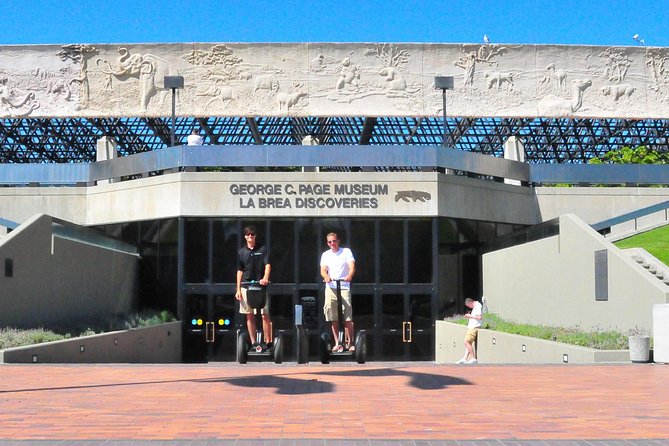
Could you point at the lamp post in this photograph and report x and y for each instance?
(173, 82)
(443, 83)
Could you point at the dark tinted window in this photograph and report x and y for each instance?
(308, 257)
(226, 246)
(391, 248)
(363, 245)
(196, 249)
(420, 251)
(282, 251)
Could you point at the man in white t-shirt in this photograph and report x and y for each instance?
(338, 264)
(194, 139)
(475, 316)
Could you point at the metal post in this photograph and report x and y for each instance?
(443, 100)
(444, 83)
(173, 82)
(174, 111)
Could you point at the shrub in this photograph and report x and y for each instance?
(12, 337)
(599, 339)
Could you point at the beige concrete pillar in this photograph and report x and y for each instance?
(310, 141)
(107, 149)
(514, 149)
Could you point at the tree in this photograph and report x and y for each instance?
(629, 155)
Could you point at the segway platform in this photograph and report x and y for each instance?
(326, 342)
(256, 296)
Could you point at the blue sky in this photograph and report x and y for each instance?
(586, 22)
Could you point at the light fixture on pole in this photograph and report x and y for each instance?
(443, 83)
(173, 82)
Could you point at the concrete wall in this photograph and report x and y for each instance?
(158, 344)
(209, 193)
(461, 197)
(552, 282)
(495, 347)
(214, 193)
(595, 204)
(21, 203)
(57, 280)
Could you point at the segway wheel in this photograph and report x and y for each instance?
(324, 347)
(361, 347)
(277, 349)
(242, 347)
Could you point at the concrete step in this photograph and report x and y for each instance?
(659, 272)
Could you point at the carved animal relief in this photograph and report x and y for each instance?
(327, 79)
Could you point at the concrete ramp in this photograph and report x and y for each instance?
(56, 273)
(574, 278)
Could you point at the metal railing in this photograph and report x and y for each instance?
(248, 156)
(337, 158)
(600, 174)
(605, 225)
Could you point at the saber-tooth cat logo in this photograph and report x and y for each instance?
(412, 196)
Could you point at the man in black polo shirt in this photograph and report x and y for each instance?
(253, 265)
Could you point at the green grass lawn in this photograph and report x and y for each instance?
(655, 242)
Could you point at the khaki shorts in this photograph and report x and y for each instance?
(244, 305)
(330, 305)
(471, 335)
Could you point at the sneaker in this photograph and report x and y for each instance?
(472, 361)
(462, 361)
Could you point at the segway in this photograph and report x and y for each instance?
(256, 296)
(326, 344)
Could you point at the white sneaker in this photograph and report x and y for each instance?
(462, 361)
(472, 361)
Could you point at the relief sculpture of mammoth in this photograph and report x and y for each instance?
(150, 70)
(152, 80)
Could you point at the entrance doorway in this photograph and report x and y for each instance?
(210, 328)
(400, 287)
(406, 327)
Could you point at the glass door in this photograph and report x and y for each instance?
(210, 328)
(407, 330)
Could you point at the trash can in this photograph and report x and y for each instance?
(639, 348)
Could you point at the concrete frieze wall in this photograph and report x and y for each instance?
(333, 79)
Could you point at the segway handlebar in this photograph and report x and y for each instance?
(335, 280)
(252, 282)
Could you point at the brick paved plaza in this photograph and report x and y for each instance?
(376, 403)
